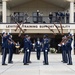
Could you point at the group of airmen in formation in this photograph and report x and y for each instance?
(65, 45)
(7, 45)
(66, 48)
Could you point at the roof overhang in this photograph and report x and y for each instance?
(60, 3)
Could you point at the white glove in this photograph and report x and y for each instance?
(21, 25)
(8, 33)
(59, 45)
(45, 50)
(62, 43)
(28, 50)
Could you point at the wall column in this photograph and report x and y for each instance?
(71, 20)
(4, 11)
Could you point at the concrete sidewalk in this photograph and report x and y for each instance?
(55, 67)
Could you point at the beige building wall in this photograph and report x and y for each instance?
(34, 5)
(37, 28)
(8, 10)
(33, 31)
(0, 7)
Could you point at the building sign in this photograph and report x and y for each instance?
(37, 26)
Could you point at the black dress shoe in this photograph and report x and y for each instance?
(10, 62)
(26, 64)
(61, 61)
(29, 62)
(38, 59)
(4, 64)
(46, 64)
(69, 64)
(64, 62)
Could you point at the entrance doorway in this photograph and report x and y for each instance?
(54, 39)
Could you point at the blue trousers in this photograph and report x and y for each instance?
(38, 54)
(29, 53)
(25, 59)
(64, 56)
(69, 57)
(4, 55)
(10, 55)
(45, 57)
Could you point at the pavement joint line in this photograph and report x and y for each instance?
(8, 68)
(70, 68)
(54, 61)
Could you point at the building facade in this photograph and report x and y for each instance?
(25, 10)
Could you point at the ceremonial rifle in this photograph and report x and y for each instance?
(57, 28)
(50, 29)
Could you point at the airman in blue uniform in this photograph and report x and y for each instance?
(64, 53)
(69, 48)
(10, 49)
(45, 49)
(38, 48)
(26, 50)
(30, 48)
(5, 47)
